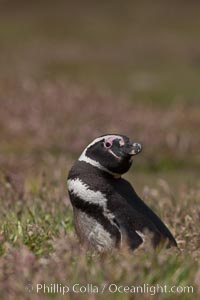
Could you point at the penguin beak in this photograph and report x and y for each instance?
(135, 149)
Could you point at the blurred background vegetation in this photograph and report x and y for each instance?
(141, 57)
(70, 71)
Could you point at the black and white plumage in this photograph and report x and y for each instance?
(107, 211)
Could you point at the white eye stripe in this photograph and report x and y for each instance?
(111, 138)
(95, 163)
(101, 138)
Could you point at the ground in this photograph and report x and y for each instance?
(69, 73)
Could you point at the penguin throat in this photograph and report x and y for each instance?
(96, 164)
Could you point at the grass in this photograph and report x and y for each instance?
(68, 75)
(38, 244)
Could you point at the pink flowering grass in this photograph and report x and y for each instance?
(70, 72)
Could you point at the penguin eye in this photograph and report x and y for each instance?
(107, 144)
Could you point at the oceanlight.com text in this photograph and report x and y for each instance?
(112, 288)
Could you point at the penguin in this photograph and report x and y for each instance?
(107, 211)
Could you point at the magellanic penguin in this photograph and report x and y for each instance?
(107, 211)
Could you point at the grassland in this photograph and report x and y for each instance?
(70, 72)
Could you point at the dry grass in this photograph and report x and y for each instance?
(47, 129)
(64, 82)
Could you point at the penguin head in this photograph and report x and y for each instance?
(111, 152)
